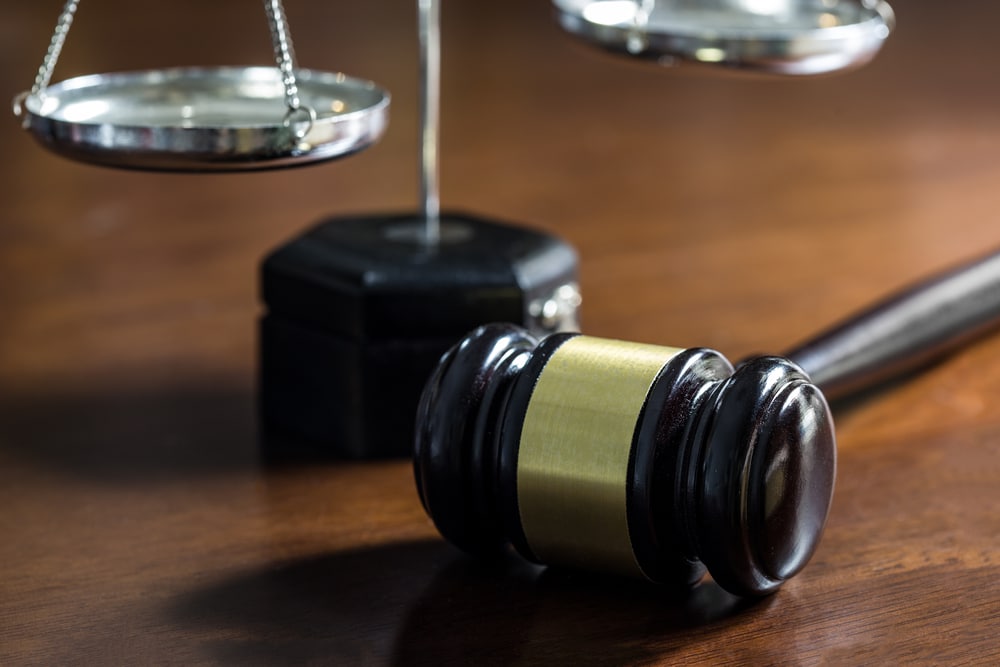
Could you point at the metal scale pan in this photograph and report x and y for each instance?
(793, 37)
(204, 119)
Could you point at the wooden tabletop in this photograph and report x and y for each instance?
(137, 524)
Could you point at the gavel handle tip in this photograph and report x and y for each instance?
(906, 330)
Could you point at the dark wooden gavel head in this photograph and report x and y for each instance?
(626, 458)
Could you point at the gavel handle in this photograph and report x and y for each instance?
(905, 330)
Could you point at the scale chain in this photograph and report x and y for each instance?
(284, 56)
(284, 53)
(55, 46)
(281, 39)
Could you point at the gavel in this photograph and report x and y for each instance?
(662, 463)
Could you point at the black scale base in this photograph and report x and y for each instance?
(359, 311)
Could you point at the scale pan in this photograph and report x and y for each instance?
(794, 37)
(205, 119)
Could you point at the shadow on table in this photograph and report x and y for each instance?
(424, 603)
(133, 436)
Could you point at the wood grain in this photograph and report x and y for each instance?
(138, 524)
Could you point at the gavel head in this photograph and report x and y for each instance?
(626, 458)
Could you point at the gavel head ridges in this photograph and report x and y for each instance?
(626, 458)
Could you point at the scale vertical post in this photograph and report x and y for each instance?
(430, 94)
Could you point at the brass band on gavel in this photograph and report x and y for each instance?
(574, 451)
(626, 458)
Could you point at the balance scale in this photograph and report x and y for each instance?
(360, 309)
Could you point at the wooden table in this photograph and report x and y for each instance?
(138, 525)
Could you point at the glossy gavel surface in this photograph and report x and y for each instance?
(742, 215)
(616, 457)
